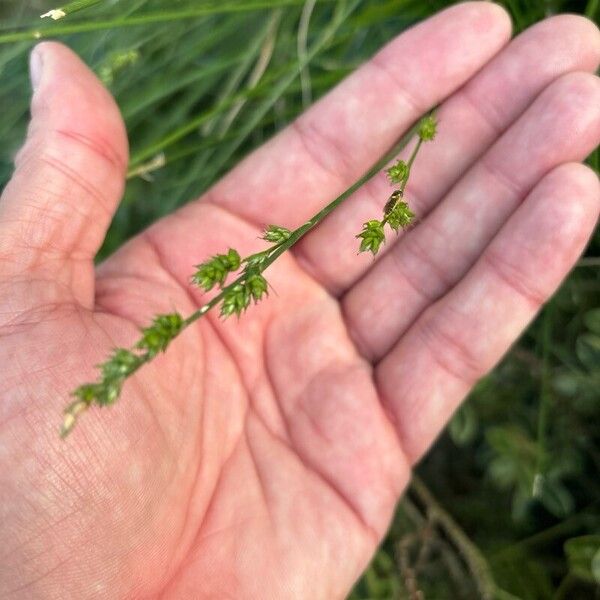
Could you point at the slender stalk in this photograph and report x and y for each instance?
(396, 212)
(589, 261)
(545, 404)
(71, 7)
(591, 9)
(587, 518)
(166, 328)
(475, 560)
(411, 160)
(145, 19)
(138, 168)
(279, 87)
(276, 251)
(409, 165)
(307, 11)
(343, 10)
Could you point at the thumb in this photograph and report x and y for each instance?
(69, 175)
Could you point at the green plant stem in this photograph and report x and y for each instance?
(270, 255)
(472, 555)
(72, 7)
(146, 19)
(591, 9)
(343, 10)
(252, 121)
(153, 154)
(273, 253)
(545, 401)
(307, 11)
(409, 164)
(586, 519)
(566, 583)
(589, 261)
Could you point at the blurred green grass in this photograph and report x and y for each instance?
(507, 504)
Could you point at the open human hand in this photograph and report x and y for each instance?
(262, 459)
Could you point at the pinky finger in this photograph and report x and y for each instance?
(463, 335)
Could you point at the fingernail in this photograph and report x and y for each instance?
(36, 66)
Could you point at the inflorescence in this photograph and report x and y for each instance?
(396, 212)
(249, 285)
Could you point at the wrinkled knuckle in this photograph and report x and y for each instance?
(449, 351)
(61, 143)
(358, 333)
(61, 169)
(380, 62)
(323, 149)
(417, 265)
(577, 87)
(485, 108)
(515, 278)
(96, 147)
(500, 176)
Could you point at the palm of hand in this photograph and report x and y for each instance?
(253, 451)
(254, 459)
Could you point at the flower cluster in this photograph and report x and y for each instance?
(104, 392)
(114, 371)
(427, 128)
(398, 172)
(237, 298)
(121, 364)
(399, 216)
(215, 270)
(248, 286)
(117, 62)
(371, 237)
(396, 212)
(276, 234)
(157, 337)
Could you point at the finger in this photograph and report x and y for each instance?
(562, 125)
(460, 337)
(69, 175)
(308, 164)
(469, 122)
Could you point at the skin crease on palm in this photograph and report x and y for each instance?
(262, 459)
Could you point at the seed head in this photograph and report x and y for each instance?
(157, 337)
(371, 236)
(399, 216)
(276, 234)
(257, 286)
(398, 172)
(215, 270)
(427, 128)
(236, 301)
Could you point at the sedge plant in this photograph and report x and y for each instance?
(240, 280)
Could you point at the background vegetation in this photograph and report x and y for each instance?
(507, 504)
